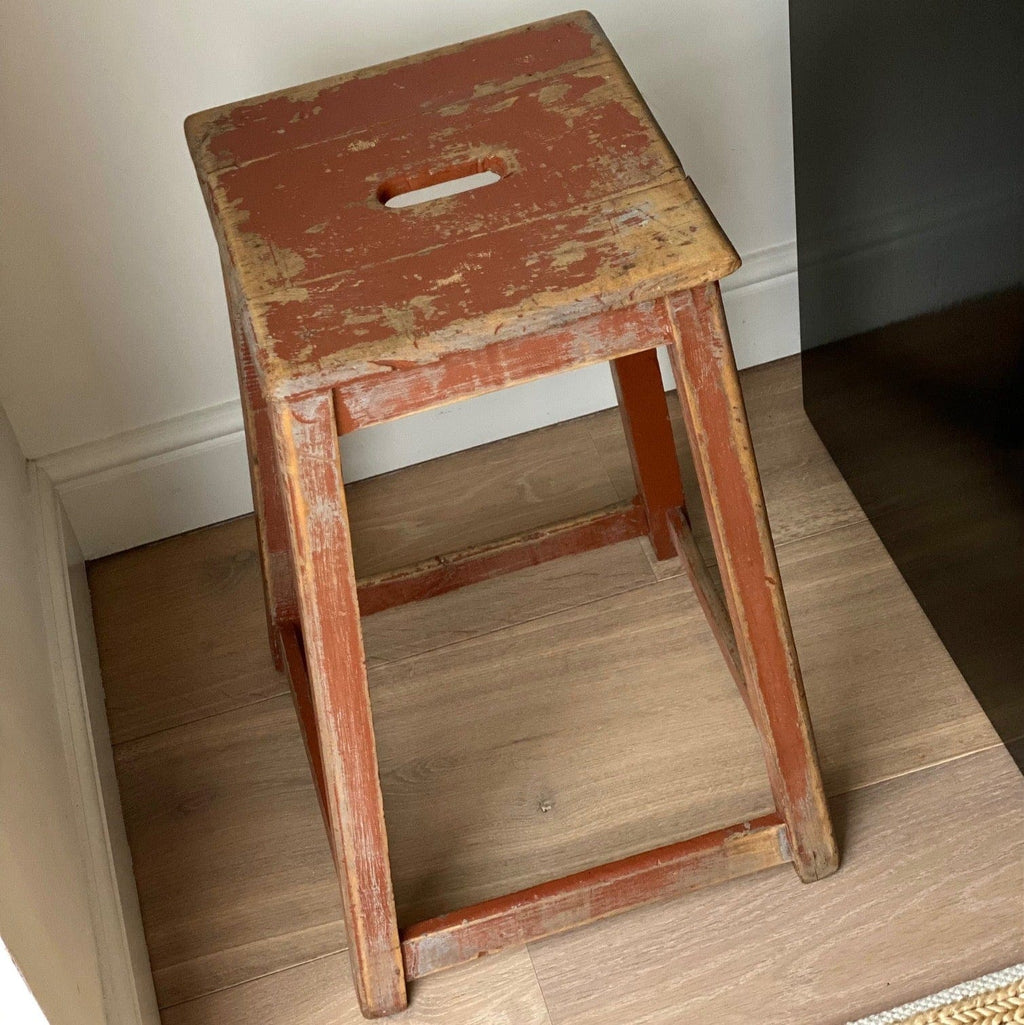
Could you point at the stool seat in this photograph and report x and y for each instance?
(592, 211)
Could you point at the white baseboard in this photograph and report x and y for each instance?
(190, 471)
(123, 959)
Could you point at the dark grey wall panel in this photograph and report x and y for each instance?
(909, 145)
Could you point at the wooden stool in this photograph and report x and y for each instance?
(592, 246)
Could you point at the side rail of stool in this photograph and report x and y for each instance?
(583, 897)
(448, 572)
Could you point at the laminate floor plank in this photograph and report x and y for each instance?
(230, 854)
(181, 629)
(499, 990)
(505, 601)
(929, 895)
(528, 753)
(528, 726)
(475, 496)
(615, 727)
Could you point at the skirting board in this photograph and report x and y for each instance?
(123, 960)
(177, 475)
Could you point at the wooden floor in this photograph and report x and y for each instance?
(549, 720)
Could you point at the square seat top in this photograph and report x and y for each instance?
(591, 210)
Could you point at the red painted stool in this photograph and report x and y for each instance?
(348, 310)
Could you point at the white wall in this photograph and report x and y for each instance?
(45, 917)
(115, 335)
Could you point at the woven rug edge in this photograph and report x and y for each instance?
(963, 991)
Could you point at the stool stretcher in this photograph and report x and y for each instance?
(449, 572)
(583, 897)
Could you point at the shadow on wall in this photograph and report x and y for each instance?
(909, 142)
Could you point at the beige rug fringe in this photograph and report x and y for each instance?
(998, 1007)
(993, 999)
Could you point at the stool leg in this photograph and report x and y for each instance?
(716, 423)
(310, 464)
(652, 448)
(268, 505)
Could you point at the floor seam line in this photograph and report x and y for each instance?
(285, 692)
(254, 978)
(540, 986)
(918, 769)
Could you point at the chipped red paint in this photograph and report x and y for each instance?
(321, 204)
(459, 297)
(307, 449)
(593, 210)
(459, 569)
(387, 396)
(389, 92)
(566, 903)
(268, 504)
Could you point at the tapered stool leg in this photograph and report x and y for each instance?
(716, 423)
(310, 465)
(652, 449)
